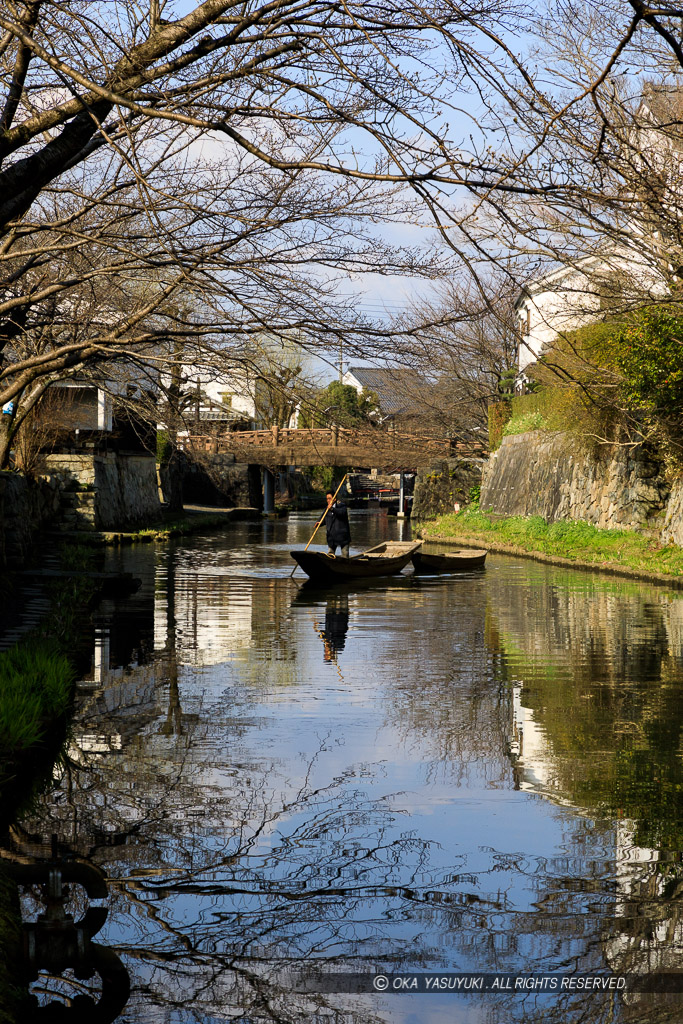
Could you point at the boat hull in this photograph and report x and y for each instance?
(456, 561)
(385, 560)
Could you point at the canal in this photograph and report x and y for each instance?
(471, 774)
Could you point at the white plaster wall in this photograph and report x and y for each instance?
(564, 305)
(239, 388)
(569, 298)
(348, 378)
(213, 386)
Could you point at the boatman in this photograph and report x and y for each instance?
(337, 523)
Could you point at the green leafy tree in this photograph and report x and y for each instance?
(620, 380)
(649, 355)
(342, 405)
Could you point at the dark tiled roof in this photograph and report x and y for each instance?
(398, 391)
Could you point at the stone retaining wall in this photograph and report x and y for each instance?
(536, 474)
(672, 531)
(101, 492)
(104, 492)
(217, 479)
(439, 487)
(25, 506)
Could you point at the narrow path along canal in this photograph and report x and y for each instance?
(476, 773)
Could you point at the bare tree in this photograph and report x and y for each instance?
(41, 429)
(464, 342)
(600, 139)
(281, 380)
(237, 157)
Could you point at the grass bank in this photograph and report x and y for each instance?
(173, 526)
(623, 552)
(36, 683)
(36, 691)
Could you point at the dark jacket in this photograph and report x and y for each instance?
(337, 524)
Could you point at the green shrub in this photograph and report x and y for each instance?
(649, 354)
(35, 689)
(498, 415)
(164, 447)
(327, 478)
(618, 380)
(522, 424)
(341, 404)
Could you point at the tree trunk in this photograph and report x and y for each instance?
(6, 435)
(172, 471)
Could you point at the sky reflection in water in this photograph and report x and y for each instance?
(479, 772)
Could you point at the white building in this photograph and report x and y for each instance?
(86, 406)
(634, 266)
(562, 300)
(227, 397)
(573, 296)
(261, 387)
(89, 403)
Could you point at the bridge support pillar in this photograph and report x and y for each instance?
(402, 496)
(268, 491)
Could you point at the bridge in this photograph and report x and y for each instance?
(335, 446)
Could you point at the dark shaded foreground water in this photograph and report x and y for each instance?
(472, 773)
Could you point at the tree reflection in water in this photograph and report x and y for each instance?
(597, 723)
(222, 916)
(233, 865)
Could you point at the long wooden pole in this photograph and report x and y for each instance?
(318, 525)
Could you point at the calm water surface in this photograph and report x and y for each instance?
(471, 773)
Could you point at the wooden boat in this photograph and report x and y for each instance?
(384, 560)
(453, 561)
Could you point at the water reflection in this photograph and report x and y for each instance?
(491, 780)
(71, 977)
(597, 723)
(336, 625)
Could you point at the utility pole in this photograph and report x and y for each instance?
(341, 362)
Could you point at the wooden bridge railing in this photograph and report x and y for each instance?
(333, 446)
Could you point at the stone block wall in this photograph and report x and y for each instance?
(104, 492)
(618, 488)
(127, 490)
(672, 531)
(25, 506)
(442, 484)
(219, 480)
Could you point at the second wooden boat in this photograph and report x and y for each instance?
(453, 561)
(383, 560)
